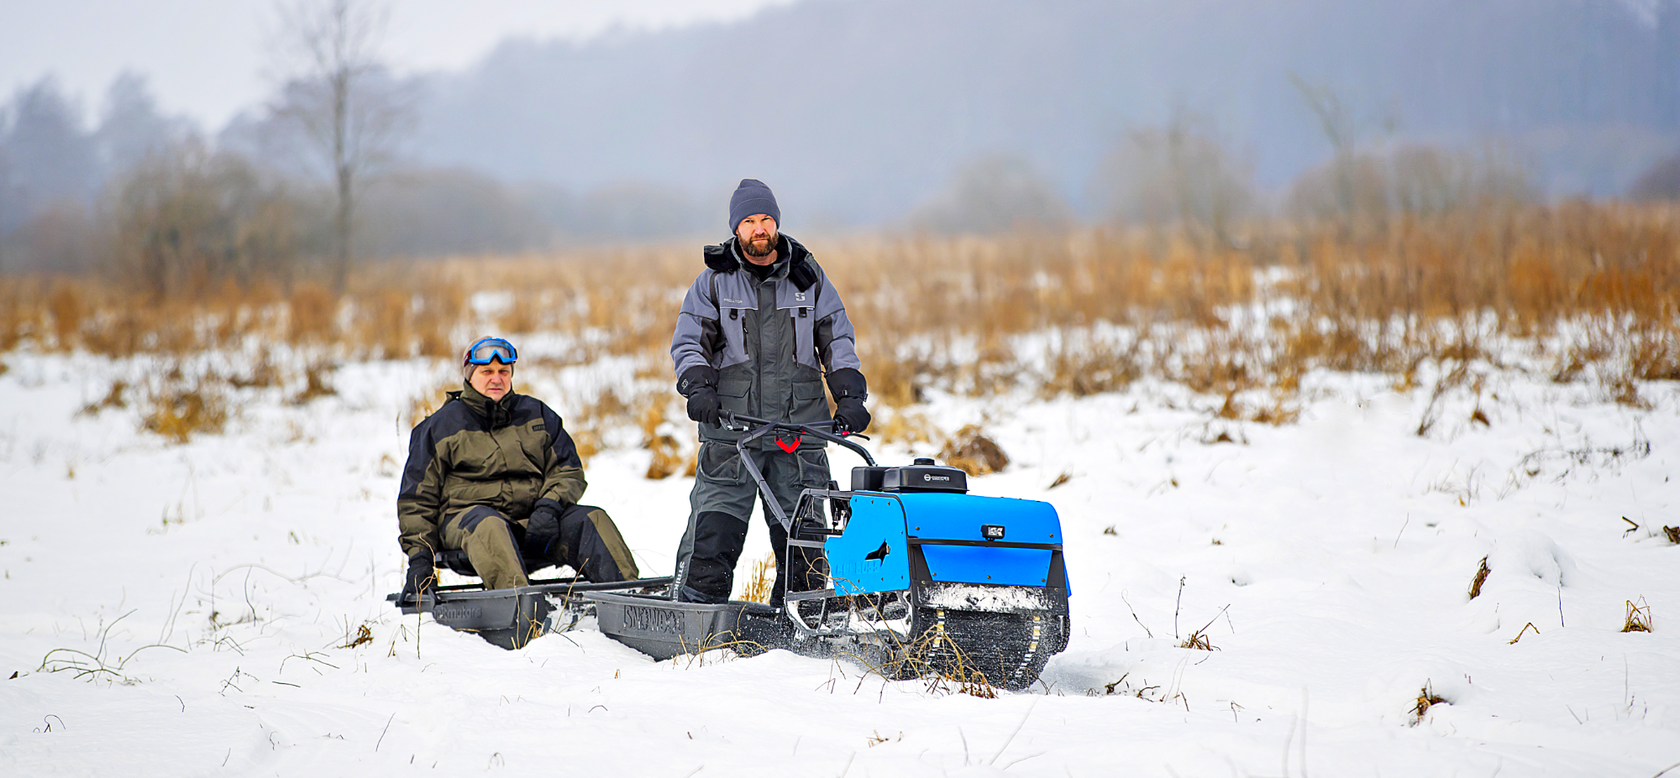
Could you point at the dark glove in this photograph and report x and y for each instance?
(420, 580)
(850, 390)
(703, 406)
(699, 385)
(850, 417)
(542, 530)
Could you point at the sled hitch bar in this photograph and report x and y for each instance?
(551, 586)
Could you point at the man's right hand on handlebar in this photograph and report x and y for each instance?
(699, 385)
(703, 407)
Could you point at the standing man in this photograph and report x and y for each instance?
(759, 330)
(494, 472)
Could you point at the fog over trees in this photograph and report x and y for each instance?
(862, 109)
(53, 163)
(945, 115)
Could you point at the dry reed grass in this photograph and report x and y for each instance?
(1425, 699)
(1482, 572)
(761, 580)
(1594, 287)
(974, 453)
(66, 306)
(1197, 641)
(667, 456)
(428, 401)
(942, 665)
(897, 425)
(260, 373)
(316, 383)
(314, 313)
(179, 411)
(1638, 617)
(115, 397)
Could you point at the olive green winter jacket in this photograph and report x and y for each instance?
(511, 455)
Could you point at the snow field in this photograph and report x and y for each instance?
(213, 590)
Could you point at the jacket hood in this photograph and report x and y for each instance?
(725, 257)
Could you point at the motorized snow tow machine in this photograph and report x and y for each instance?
(906, 573)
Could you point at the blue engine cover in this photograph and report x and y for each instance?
(1005, 566)
(873, 553)
(936, 516)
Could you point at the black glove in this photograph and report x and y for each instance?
(420, 580)
(699, 385)
(695, 378)
(850, 417)
(850, 390)
(703, 406)
(542, 530)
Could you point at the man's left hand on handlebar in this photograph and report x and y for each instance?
(850, 417)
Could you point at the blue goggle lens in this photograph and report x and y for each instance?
(486, 349)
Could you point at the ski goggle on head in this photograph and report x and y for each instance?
(485, 349)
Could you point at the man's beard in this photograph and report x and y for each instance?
(752, 250)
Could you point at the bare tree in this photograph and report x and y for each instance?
(186, 219)
(131, 126)
(1335, 119)
(1369, 186)
(994, 193)
(349, 110)
(1659, 182)
(1180, 175)
(5, 190)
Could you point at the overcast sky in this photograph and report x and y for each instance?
(208, 59)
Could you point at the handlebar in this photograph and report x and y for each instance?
(740, 422)
(757, 428)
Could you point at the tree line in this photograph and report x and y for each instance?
(318, 177)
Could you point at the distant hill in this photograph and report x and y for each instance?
(856, 110)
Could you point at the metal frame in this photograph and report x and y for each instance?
(821, 430)
(756, 428)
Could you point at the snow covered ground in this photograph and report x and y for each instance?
(199, 600)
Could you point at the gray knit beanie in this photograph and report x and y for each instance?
(751, 198)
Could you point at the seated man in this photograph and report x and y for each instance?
(493, 472)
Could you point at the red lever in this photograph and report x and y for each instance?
(788, 447)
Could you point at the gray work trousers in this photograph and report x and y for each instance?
(720, 507)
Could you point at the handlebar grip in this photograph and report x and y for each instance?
(729, 421)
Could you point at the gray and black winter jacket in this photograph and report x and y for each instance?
(767, 344)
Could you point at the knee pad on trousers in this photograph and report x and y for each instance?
(594, 546)
(718, 538)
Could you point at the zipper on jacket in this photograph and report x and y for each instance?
(793, 365)
(755, 352)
